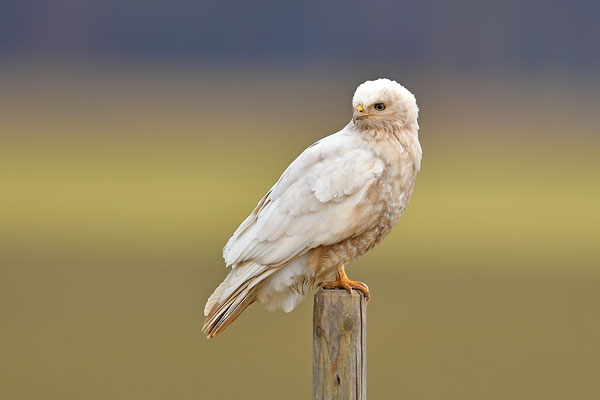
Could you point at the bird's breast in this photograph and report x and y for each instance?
(395, 185)
(384, 203)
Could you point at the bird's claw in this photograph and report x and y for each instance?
(348, 285)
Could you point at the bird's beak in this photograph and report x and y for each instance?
(359, 113)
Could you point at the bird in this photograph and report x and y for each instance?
(337, 200)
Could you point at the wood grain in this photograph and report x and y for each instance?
(339, 345)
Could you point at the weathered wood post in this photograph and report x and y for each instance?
(339, 345)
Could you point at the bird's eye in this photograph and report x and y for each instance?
(379, 106)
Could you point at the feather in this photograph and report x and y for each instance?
(310, 203)
(232, 297)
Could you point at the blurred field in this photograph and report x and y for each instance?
(120, 189)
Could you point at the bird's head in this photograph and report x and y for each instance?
(383, 104)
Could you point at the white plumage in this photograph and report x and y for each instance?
(338, 199)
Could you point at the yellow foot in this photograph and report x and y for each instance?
(342, 282)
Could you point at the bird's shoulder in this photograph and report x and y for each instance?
(326, 150)
(331, 167)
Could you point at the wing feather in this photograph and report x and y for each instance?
(314, 203)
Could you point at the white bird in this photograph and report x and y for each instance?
(334, 202)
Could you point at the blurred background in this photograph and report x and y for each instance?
(136, 136)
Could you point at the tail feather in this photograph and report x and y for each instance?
(213, 300)
(227, 313)
(232, 297)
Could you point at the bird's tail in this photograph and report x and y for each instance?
(236, 293)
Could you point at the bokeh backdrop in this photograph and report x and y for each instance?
(136, 136)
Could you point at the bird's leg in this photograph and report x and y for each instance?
(342, 282)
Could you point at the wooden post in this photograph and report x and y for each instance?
(339, 345)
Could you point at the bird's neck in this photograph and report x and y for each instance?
(389, 136)
(385, 131)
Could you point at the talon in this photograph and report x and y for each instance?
(342, 282)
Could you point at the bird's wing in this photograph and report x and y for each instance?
(314, 203)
